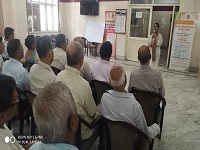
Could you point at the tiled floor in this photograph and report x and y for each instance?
(181, 129)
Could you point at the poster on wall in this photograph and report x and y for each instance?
(120, 22)
(110, 34)
(182, 41)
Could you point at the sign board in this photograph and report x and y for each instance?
(120, 22)
(182, 41)
(138, 15)
(94, 31)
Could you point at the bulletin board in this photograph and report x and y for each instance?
(94, 31)
(120, 21)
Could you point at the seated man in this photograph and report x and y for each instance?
(8, 101)
(58, 122)
(14, 68)
(60, 61)
(9, 35)
(41, 74)
(85, 70)
(146, 78)
(118, 105)
(79, 87)
(101, 69)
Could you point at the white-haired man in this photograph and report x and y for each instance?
(118, 105)
(58, 122)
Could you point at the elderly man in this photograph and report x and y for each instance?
(101, 69)
(8, 101)
(118, 105)
(146, 78)
(79, 87)
(60, 61)
(14, 68)
(9, 35)
(58, 122)
(41, 74)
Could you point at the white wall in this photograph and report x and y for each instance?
(15, 16)
(73, 24)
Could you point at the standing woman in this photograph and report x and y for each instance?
(155, 42)
(1, 51)
(31, 55)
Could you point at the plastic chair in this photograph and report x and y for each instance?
(124, 136)
(150, 103)
(98, 89)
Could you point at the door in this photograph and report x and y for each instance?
(139, 30)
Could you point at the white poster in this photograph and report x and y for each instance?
(182, 41)
(138, 15)
(120, 22)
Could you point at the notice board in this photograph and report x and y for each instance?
(120, 21)
(182, 41)
(94, 31)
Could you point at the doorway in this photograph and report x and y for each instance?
(164, 16)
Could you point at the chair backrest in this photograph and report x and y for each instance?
(55, 70)
(150, 103)
(124, 136)
(98, 89)
(30, 96)
(84, 41)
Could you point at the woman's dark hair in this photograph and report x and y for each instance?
(12, 47)
(7, 86)
(60, 39)
(29, 41)
(157, 25)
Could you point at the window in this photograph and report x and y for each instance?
(42, 15)
(139, 23)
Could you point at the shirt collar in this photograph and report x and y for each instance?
(45, 65)
(104, 61)
(16, 62)
(145, 67)
(72, 69)
(120, 94)
(58, 48)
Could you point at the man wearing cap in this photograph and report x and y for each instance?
(118, 105)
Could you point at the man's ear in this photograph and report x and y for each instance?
(73, 123)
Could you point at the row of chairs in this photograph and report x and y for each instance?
(149, 101)
(89, 46)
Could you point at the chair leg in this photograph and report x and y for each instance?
(9, 124)
(151, 145)
(21, 125)
(32, 125)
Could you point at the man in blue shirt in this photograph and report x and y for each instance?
(14, 68)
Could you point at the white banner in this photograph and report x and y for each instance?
(182, 41)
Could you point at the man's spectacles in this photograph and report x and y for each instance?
(16, 102)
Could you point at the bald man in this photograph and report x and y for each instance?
(146, 78)
(118, 105)
(79, 87)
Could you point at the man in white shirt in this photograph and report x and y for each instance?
(118, 105)
(79, 87)
(101, 69)
(60, 61)
(41, 74)
(14, 68)
(9, 35)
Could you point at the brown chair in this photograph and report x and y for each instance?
(31, 98)
(55, 70)
(150, 103)
(98, 89)
(85, 45)
(124, 136)
(97, 123)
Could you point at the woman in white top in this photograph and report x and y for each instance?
(155, 42)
